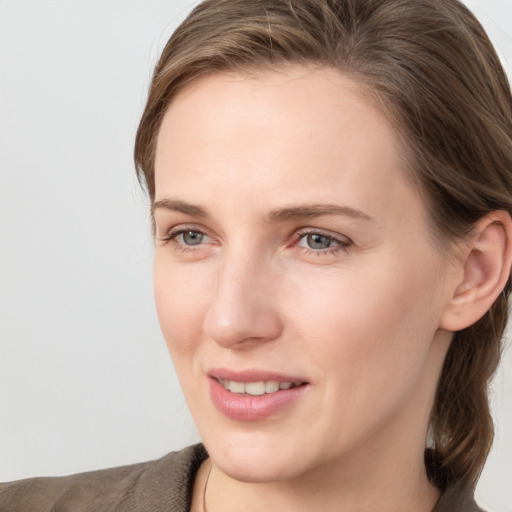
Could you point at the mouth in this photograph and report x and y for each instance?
(254, 395)
(258, 388)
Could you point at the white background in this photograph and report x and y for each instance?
(85, 379)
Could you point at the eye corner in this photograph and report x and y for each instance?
(161, 239)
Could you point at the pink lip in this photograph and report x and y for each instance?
(252, 408)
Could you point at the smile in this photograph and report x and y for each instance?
(257, 388)
(248, 399)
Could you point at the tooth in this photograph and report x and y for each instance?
(271, 386)
(224, 382)
(236, 387)
(255, 388)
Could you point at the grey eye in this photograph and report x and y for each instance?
(192, 237)
(318, 241)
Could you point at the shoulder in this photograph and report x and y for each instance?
(458, 497)
(163, 484)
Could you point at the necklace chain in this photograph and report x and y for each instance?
(205, 487)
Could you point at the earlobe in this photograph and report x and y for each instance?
(486, 261)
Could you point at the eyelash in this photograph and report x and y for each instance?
(341, 243)
(175, 233)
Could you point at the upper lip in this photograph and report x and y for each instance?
(253, 375)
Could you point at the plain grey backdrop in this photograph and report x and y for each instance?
(85, 379)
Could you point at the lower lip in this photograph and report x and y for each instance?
(252, 408)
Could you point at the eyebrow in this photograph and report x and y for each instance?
(299, 212)
(179, 206)
(315, 210)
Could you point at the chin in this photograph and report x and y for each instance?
(253, 460)
(256, 473)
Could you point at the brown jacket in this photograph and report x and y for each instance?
(164, 485)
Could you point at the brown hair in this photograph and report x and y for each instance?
(434, 72)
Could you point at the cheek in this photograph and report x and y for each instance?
(181, 302)
(368, 330)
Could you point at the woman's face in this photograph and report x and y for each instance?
(292, 254)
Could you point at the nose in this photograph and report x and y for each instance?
(245, 305)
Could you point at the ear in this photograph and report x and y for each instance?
(486, 261)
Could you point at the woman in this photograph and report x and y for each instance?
(331, 196)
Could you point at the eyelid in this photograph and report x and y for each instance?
(342, 240)
(179, 229)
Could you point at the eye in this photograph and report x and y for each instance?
(187, 237)
(190, 237)
(318, 241)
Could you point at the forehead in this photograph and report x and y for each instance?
(309, 132)
(262, 100)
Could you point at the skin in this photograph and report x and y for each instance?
(361, 321)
